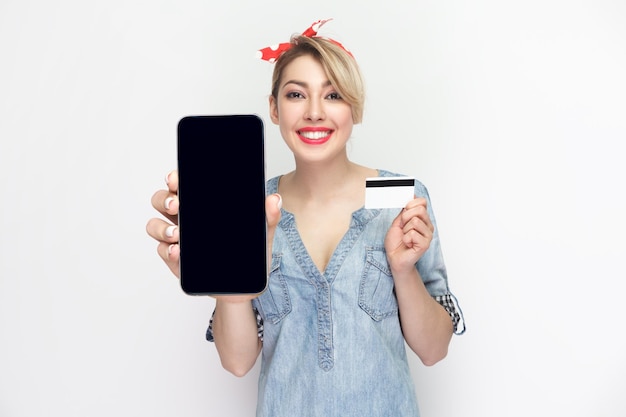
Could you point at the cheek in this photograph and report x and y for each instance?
(345, 117)
(287, 113)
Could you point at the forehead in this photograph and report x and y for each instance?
(305, 68)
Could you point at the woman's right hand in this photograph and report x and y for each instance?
(165, 231)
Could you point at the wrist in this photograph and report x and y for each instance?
(403, 271)
(233, 300)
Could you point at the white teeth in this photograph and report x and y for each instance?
(316, 135)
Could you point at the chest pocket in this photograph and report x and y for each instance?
(274, 303)
(376, 290)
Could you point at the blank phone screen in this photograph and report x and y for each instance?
(222, 226)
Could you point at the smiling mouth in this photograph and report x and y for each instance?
(315, 135)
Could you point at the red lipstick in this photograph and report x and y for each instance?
(315, 135)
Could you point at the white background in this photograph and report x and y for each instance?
(512, 113)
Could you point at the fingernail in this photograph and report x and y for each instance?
(169, 248)
(169, 232)
(168, 200)
(167, 178)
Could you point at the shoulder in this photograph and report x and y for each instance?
(271, 185)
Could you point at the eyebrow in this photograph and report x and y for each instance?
(304, 84)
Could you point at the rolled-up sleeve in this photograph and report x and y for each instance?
(449, 303)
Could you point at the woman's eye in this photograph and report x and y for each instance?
(294, 94)
(334, 96)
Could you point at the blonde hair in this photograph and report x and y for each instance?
(340, 67)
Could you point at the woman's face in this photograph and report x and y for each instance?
(314, 120)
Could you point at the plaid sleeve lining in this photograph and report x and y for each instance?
(259, 326)
(448, 301)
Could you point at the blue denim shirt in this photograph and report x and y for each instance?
(332, 342)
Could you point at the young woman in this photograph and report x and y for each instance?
(348, 286)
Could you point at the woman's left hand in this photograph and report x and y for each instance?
(409, 235)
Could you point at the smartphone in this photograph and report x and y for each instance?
(221, 191)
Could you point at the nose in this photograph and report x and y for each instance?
(315, 110)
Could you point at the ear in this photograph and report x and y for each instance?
(273, 110)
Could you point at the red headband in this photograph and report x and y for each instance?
(272, 53)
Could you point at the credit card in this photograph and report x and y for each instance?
(388, 192)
